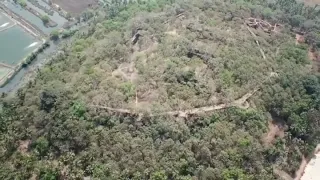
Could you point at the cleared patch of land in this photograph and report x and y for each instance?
(275, 130)
(312, 2)
(75, 6)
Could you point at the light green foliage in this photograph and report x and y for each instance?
(45, 19)
(68, 33)
(42, 146)
(159, 175)
(48, 173)
(80, 114)
(22, 3)
(231, 174)
(100, 171)
(295, 54)
(79, 45)
(78, 109)
(112, 25)
(128, 89)
(54, 35)
(227, 78)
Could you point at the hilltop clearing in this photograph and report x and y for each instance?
(171, 90)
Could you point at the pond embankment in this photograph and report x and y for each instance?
(23, 63)
(12, 65)
(28, 26)
(35, 53)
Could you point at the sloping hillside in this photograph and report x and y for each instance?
(170, 90)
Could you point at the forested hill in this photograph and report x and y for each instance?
(172, 89)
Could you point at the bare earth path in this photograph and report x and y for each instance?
(240, 103)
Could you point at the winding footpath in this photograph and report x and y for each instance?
(240, 103)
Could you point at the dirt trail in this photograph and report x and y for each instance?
(283, 175)
(240, 103)
(313, 54)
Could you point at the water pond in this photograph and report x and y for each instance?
(34, 19)
(15, 44)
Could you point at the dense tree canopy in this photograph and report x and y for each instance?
(95, 109)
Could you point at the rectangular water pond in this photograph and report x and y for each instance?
(32, 18)
(5, 22)
(15, 45)
(5, 72)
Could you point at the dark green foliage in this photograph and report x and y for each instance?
(47, 100)
(68, 33)
(48, 173)
(78, 109)
(54, 35)
(296, 54)
(45, 19)
(296, 101)
(75, 119)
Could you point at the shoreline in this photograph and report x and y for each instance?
(19, 23)
(8, 27)
(14, 80)
(28, 28)
(14, 70)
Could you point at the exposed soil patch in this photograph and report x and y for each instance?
(172, 33)
(33, 177)
(64, 171)
(300, 171)
(283, 175)
(313, 55)
(275, 130)
(126, 71)
(299, 39)
(75, 6)
(312, 2)
(24, 146)
(240, 103)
